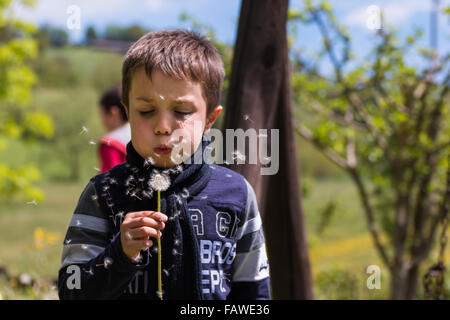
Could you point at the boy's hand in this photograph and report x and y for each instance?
(137, 228)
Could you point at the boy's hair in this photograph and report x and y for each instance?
(180, 54)
(112, 97)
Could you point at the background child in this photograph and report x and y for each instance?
(112, 147)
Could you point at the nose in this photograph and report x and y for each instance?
(162, 125)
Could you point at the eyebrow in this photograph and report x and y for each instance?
(177, 101)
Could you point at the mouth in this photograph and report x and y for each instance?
(162, 150)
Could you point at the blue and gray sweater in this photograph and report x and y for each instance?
(213, 244)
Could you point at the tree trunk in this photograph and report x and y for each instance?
(259, 96)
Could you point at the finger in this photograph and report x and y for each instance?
(148, 213)
(142, 221)
(143, 232)
(141, 244)
(159, 216)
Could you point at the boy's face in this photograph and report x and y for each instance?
(161, 105)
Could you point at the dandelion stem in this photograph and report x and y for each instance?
(159, 253)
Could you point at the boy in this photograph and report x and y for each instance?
(113, 145)
(210, 229)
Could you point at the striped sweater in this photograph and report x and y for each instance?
(228, 230)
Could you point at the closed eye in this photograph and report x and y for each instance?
(183, 113)
(145, 112)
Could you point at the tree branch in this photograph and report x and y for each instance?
(328, 152)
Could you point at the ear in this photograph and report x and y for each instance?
(212, 117)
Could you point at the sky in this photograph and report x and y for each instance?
(223, 15)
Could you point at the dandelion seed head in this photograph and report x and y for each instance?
(159, 181)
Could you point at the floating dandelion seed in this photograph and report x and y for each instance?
(97, 169)
(247, 117)
(32, 202)
(120, 214)
(133, 194)
(166, 271)
(178, 199)
(262, 135)
(107, 262)
(175, 252)
(128, 236)
(185, 193)
(162, 97)
(89, 271)
(91, 142)
(84, 129)
(149, 162)
(138, 259)
(238, 155)
(147, 194)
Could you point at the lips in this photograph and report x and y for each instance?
(162, 149)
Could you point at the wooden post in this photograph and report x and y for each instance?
(259, 97)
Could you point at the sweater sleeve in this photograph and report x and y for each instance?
(251, 279)
(93, 266)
